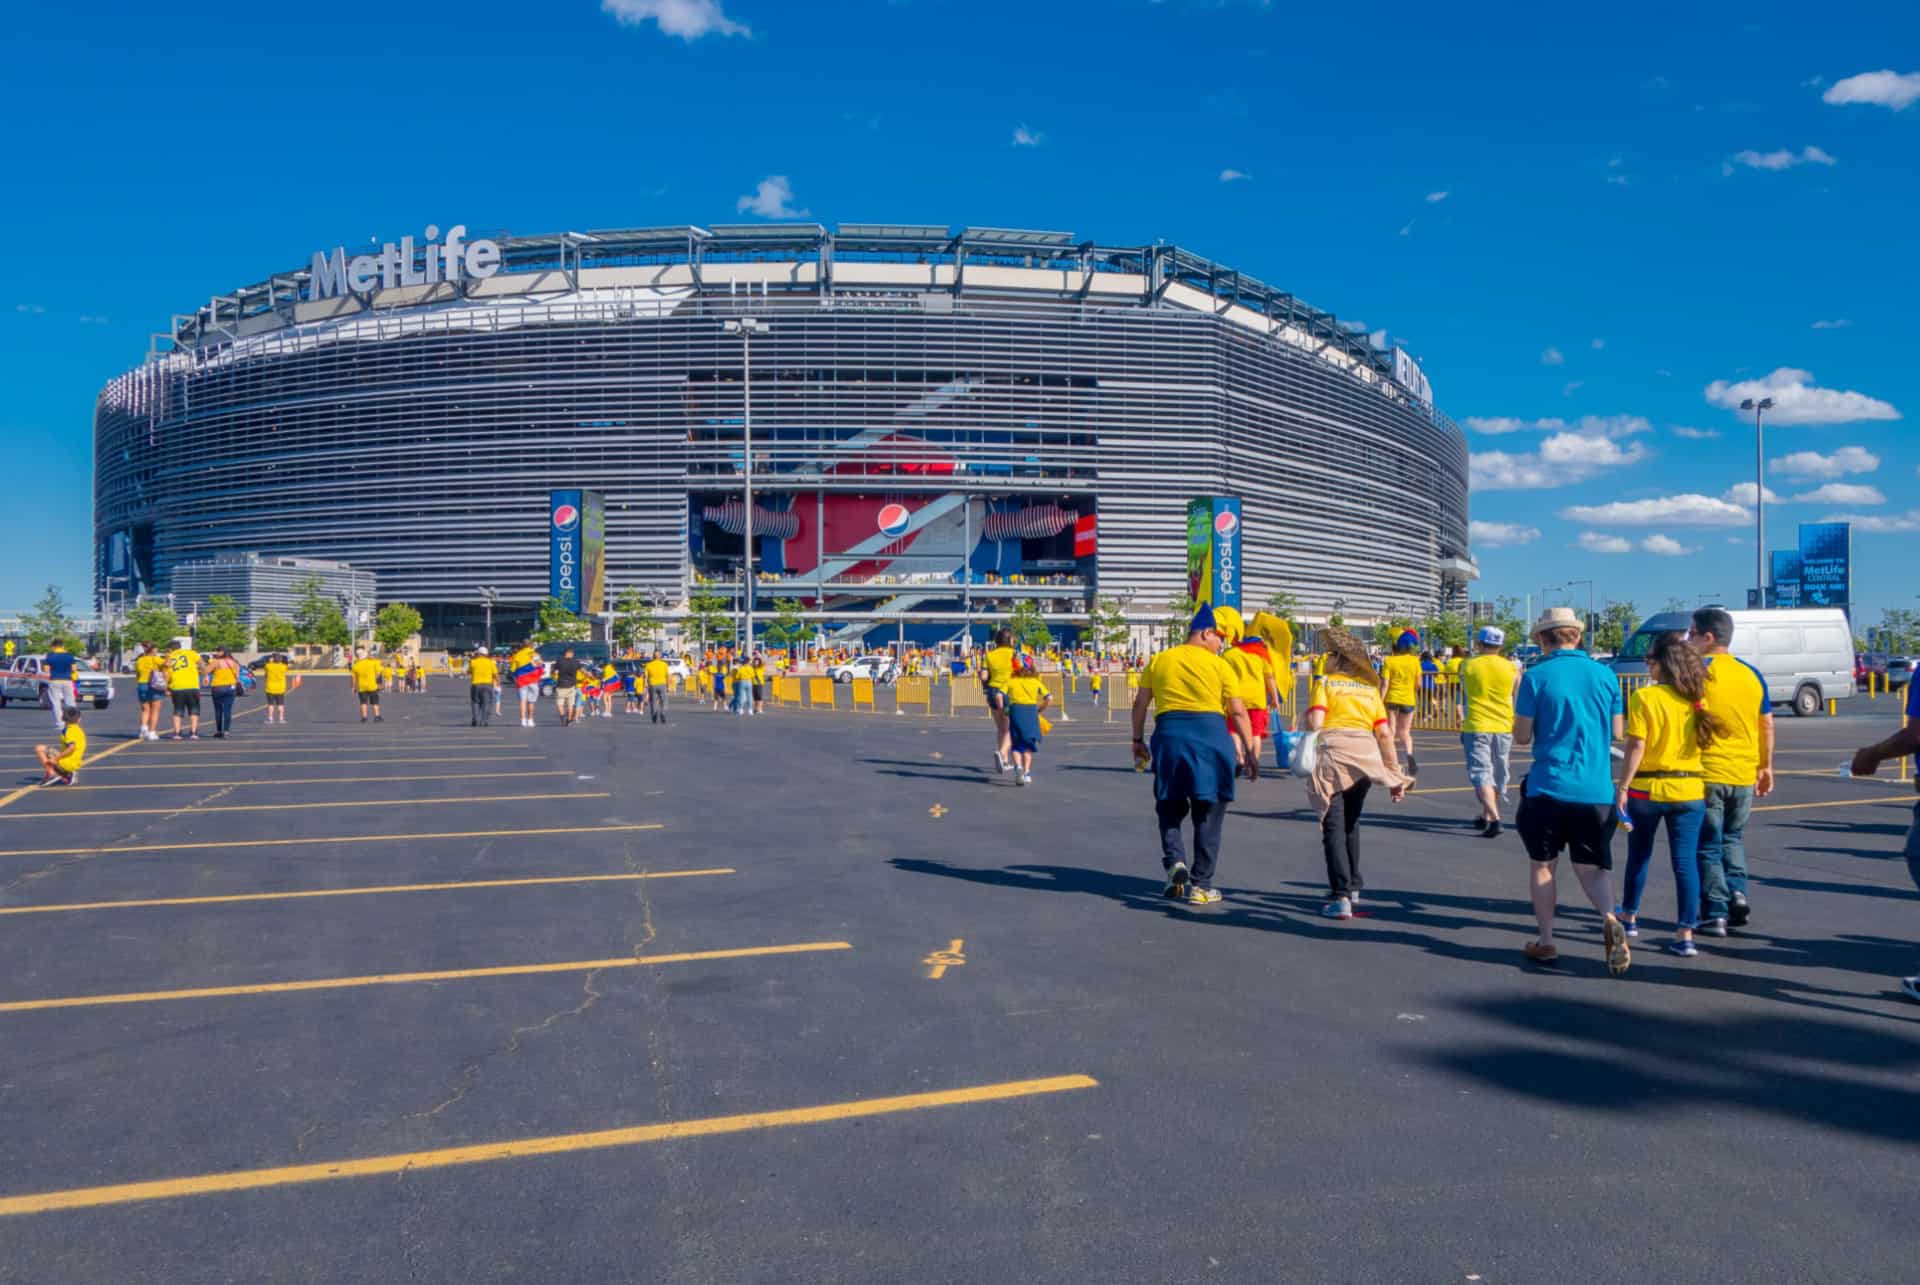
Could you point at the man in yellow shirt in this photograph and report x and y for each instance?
(1738, 767)
(183, 684)
(482, 676)
(659, 679)
(1198, 716)
(996, 677)
(1487, 686)
(1400, 686)
(365, 674)
(60, 761)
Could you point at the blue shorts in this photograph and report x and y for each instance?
(996, 699)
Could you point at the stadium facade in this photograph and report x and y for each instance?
(938, 419)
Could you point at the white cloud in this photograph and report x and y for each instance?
(1572, 386)
(1226, 176)
(1490, 534)
(33, 309)
(1879, 523)
(1879, 88)
(89, 319)
(1553, 357)
(1674, 510)
(1783, 159)
(1620, 180)
(1594, 542)
(1666, 546)
(1797, 401)
(687, 19)
(1589, 425)
(1434, 198)
(1378, 338)
(1818, 467)
(772, 199)
(1024, 137)
(1563, 459)
(1695, 434)
(1841, 493)
(1838, 323)
(1406, 229)
(1743, 492)
(1598, 344)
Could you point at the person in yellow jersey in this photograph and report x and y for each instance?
(742, 686)
(659, 679)
(365, 675)
(223, 682)
(1488, 684)
(1662, 780)
(59, 762)
(1738, 768)
(1199, 721)
(759, 682)
(1355, 752)
(1400, 686)
(1453, 664)
(274, 682)
(996, 678)
(1247, 678)
(1027, 700)
(483, 674)
(183, 684)
(150, 686)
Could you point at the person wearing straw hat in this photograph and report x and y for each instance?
(1356, 752)
(1487, 686)
(1192, 693)
(1568, 708)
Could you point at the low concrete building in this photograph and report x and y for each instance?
(269, 586)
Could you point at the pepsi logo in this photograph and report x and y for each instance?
(1224, 522)
(565, 517)
(893, 519)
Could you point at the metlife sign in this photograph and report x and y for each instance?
(452, 259)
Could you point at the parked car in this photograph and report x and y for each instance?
(1862, 669)
(880, 668)
(23, 681)
(1899, 671)
(1805, 653)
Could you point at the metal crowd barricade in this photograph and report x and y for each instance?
(1629, 684)
(821, 694)
(966, 694)
(1436, 705)
(863, 695)
(913, 691)
(1120, 695)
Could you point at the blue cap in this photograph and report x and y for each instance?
(1202, 620)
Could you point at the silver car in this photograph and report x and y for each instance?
(25, 680)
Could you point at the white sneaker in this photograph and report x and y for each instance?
(1026, 778)
(999, 763)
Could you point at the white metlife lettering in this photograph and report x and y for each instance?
(453, 260)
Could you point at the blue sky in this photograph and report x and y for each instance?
(1595, 231)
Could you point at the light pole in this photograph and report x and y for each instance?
(488, 596)
(747, 328)
(1759, 409)
(1592, 624)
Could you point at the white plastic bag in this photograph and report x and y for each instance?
(1305, 754)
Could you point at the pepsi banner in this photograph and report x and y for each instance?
(576, 550)
(1214, 559)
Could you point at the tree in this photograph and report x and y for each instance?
(318, 619)
(1287, 607)
(558, 625)
(1029, 630)
(220, 625)
(708, 619)
(1615, 626)
(1899, 630)
(1180, 614)
(634, 619)
(396, 623)
(787, 627)
(151, 622)
(1107, 624)
(1448, 629)
(1391, 626)
(49, 623)
(275, 632)
(1507, 619)
(1675, 604)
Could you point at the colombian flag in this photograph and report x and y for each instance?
(527, 675)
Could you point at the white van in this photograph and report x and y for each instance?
(1805, 653)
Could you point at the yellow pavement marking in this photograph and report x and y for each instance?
(1832, 803)
(314, 780)
(361, 892)
(350, 838)
(522, 1148)
(401, 979)
(278, 807)
(197, 763)
(109, 752)
(941, 960)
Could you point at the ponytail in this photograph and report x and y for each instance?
(1686, 673)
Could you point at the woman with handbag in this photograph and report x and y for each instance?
(223, 676)
(1353, 750)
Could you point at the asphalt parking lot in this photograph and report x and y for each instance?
(818, 996)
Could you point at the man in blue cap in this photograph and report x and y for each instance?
(1194, 695)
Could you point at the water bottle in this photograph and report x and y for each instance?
(1845, 770)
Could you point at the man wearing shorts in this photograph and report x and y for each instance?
(566, 687)
(183, 684)
(524, 665)
(1487, 684)
(1568, 707)
(996, 676)
(365, 674)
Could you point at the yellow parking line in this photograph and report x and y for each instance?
(360, 892)
(522, 1148)
(351, 838)
(315, 780)
(277, 807)
(109, 752)
(196, 763)
(402, 979)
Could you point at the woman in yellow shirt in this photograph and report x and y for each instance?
(1400, 685)
(150, 684)
(1661, 779)
(274, 685)
(223, 677)
(1356, 750)
(1027, 700)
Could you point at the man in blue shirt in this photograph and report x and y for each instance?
(1865, 762)
(58, 669)
(1569, 709)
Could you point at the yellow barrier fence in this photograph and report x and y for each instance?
(1436, 705)
(863, 695)
(786, 691)
(1119, 696)
(914, 692)
(821, 694)
(967, 695)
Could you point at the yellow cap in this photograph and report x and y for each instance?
(1230, 624)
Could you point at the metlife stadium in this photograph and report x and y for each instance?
(939, 421)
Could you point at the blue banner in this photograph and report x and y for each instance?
(564, 543)
(1228, 564)
(1826, 564)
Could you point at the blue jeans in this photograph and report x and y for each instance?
(1913, 847)
(1723, 849)
(1683, 845)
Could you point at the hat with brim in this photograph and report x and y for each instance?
(1557, 618)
